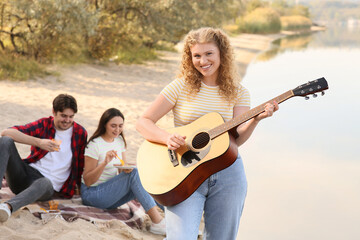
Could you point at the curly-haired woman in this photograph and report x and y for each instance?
(207, 83)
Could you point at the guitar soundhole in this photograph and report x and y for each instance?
(200, 140)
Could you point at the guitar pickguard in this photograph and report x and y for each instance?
(190, 158)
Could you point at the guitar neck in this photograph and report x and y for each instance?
(247, 116)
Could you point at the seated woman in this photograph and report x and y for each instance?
(105, 186)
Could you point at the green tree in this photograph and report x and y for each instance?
(261, 20)
(126, 24)
(300, 10)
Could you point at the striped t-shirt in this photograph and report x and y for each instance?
(98, 148)
(189, 108)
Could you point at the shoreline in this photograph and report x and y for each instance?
(248, 46)
(131, 88)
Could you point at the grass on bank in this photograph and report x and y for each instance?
(16, 67)
(140, 53)
(266, 21)
(20, 68)
(135, 55)
(260, 21)
(295, 23)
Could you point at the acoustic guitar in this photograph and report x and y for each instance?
(172, 176)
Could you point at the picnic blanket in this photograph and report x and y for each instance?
(131, 213)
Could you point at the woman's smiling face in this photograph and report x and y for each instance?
(206, 59)
(114, 127)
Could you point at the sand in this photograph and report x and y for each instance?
(131, 88)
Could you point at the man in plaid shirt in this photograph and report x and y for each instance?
(56, 161)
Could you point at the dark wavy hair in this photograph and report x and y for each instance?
(63, 101)
(105, 118)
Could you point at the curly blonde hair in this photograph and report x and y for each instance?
(227, 79)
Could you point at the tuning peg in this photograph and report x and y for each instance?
(322, 93)
(306, 97)
(314, 95)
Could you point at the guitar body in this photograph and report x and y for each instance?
(172, 176)
(170, 184)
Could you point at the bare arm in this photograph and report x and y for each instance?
(93, 170)
(146, 125)
(245, 130)
(20, 137)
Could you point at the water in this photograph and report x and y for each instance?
(303, 165)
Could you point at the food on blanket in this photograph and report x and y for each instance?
(43, 209)
(53, 205)
(57, 142)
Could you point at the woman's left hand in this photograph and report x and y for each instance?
(127, 170)
(270, 108)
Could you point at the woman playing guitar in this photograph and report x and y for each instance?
(207, 83)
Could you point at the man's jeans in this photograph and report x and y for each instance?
(26, 182)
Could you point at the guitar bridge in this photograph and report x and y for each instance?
(173, 157)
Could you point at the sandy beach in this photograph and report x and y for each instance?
(131, 88)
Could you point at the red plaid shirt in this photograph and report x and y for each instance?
(44, 128)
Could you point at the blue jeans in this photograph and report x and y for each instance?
(221, 197)
(116, 192)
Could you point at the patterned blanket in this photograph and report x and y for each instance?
(131, 213)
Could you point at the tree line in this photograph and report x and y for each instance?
(46, 31)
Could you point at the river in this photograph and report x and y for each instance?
(302, 164)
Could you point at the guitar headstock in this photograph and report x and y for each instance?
(318, 85)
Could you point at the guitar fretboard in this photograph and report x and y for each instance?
(247, 116)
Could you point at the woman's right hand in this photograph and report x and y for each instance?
(174, 141)
(110, 156)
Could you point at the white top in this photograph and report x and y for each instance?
(189, 108)
(98, 148)
(56, 166)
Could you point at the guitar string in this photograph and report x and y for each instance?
(200, 140)
(204, 138)
(232, 123)
(248, 115)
